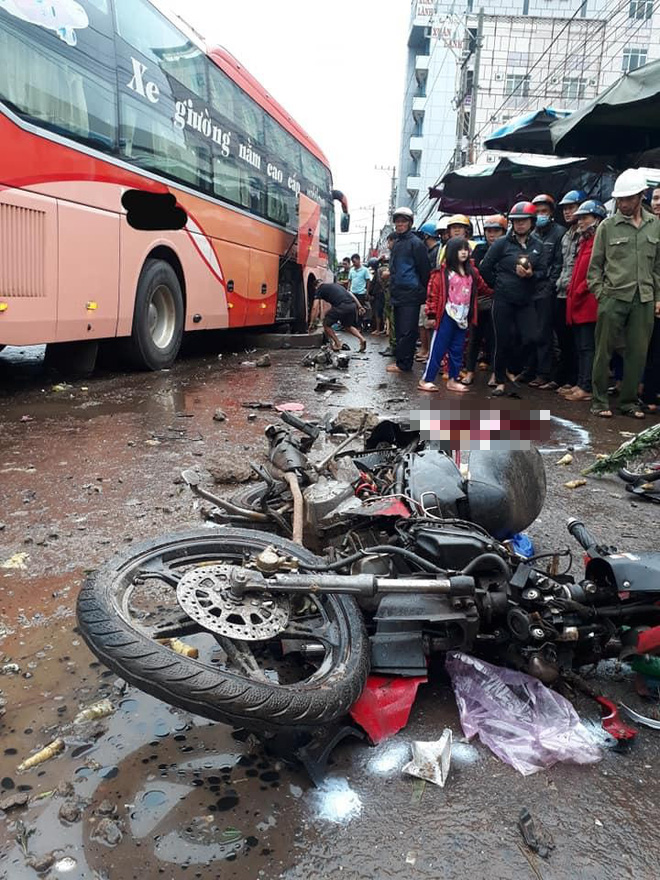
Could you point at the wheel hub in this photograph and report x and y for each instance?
(206, 595)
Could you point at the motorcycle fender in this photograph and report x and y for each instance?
(629, 572)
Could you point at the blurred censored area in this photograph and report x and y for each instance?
(455, 426)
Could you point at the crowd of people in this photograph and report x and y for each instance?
(558, 296)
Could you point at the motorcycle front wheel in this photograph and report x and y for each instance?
(278, 661)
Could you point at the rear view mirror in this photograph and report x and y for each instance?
(345, 224)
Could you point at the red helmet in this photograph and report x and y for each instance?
(497, 221)
(523, 211)
(544, 199)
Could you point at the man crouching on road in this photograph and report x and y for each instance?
(409, 275)
(624, 276)
(344, 309)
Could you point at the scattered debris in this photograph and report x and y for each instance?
(431, 760)
(23, 835)
(328, 383)
(290, 407)
(179, 647)
(566, 459)
(41, 864)
(537, 838)
(575, 484)
(108, 832)
(321, 358)
(264, 361)
(352, 419)
(257, 404)
(646, 720)
(152, 442)
(65, 865)
(13, 801)
(69, 812)
(17, 561)
(10, 669)
(219, 415)
(98, 710)
(48, 752)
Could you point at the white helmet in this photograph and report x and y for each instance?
(631, 183)
(404, 212)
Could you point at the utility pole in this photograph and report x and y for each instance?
(373, 223)
(391, 168)
(475, 88)
(364, 249)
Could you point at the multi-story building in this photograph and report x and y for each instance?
(475, 64)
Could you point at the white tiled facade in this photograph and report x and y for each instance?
(560, 53)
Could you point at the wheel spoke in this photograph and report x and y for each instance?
(240, 654)
(323, 632)
(158, 571)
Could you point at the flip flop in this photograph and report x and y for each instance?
(634, 414)
(499, 392)
(427, 386)
(467, 382)
(602, 413)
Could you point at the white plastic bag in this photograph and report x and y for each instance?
(522, 721)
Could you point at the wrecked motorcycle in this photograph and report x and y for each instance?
(399, 552)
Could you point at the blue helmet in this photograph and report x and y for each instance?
(574, 197)
(429, 230)
(592, 206)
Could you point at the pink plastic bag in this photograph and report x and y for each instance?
(521, 720)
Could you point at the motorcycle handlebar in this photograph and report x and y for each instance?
(294, 421)
(582, 535)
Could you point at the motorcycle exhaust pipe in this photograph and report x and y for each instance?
(365, 585)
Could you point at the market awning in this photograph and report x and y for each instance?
(622, 121)
(529, 133)
(489, 187)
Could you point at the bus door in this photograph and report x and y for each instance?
(28, 267)
(309, 227)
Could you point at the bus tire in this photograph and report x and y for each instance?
(158, 318)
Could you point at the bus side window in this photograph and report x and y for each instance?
(146, 30)
(70, 88)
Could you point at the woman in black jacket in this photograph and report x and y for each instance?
(513, 266)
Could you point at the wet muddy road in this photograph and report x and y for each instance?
(91, 467)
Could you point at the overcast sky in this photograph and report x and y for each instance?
(338, 68)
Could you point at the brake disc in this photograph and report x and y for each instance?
(205, 594)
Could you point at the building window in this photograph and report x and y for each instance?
(573, 88)
(633, 58)
(642, 10)
(517, 85)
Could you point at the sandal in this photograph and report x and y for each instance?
(499, 392)
(427, 386)
(633, 413)
(467, 381)
(548, 386)
(535, 383)
(602, 413)
(363, 345)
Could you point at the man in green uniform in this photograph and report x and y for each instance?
(624, 276)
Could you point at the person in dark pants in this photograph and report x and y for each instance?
(513, 267)
(581, 304)
(409, 275)
(566, 373)
(481, 335)
(540, 367)
(652, 371)
(344, 309)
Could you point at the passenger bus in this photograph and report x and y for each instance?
(149, 185)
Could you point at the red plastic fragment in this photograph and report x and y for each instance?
(384, 705)
(611, 721)
(648, 641)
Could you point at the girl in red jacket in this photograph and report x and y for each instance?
(581, 304)
(451, 301)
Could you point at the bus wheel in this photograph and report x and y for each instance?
(158, 318)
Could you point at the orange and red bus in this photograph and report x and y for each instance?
(149, 186)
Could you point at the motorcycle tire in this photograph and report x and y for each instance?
(122, 644)
(250, 495)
